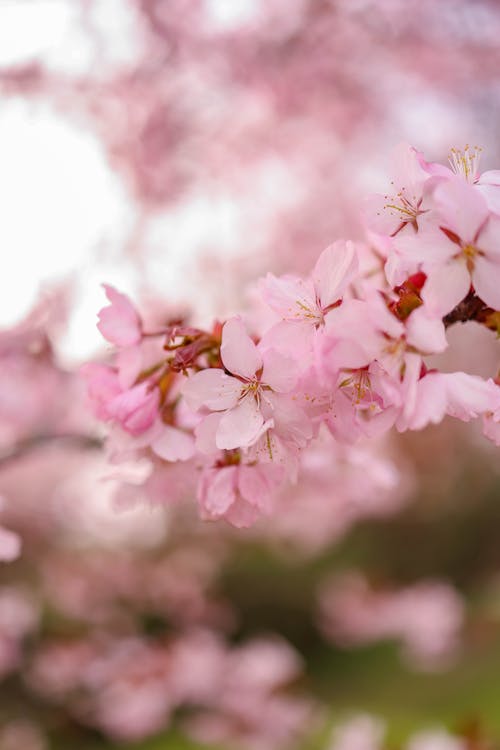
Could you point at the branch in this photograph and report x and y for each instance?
(470, 308)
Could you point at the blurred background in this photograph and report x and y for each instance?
(178, 149)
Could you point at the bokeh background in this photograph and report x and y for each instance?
(178, 149)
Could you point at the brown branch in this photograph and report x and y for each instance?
(470, 308)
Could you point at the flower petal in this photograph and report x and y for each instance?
(173, 444)
(217, 490)
(446, 286)
(489, 239)
(333, 272)
(462, 208)
(428, 247)
(241, 426)
(279, 371)
(119, 322)
(238, 352)
(290, 297)
(486, 280)
(426, 332)
(211, 388)
(206, 432)
(257, 484)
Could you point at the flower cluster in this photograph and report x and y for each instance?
(344, 351)
(426, 617)
(129, 687)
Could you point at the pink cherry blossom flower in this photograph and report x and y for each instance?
(457, 394)
(135, 409)
(102, 387)
(406, 201)
(240, 493)
(119, 322)
(464, 164)
(239, 397)
(296, 300)
(459, 247)
(427, 617)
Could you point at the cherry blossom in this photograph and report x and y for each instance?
(457, 248)
(241, 395)
(346, 347)
(119, 323)
(406, 201)
(294, 299)
(239, 493)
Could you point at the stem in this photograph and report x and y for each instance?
(470, 308)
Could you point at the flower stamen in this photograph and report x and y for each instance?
(466, 163)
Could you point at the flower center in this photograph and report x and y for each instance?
(404, 207)
(359, 385)
(308, 313)
(466, 163)
(251, 387)
(469, 252)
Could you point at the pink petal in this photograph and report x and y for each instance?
(446, 286)
(241, 426)
(462, 208)
(279, 371)
(378, 217)
(290, 297)
(468, 395)
(345, 354)
(291, 422)
(429, 247)
(409, 386)
(491, 194)
(242, 514)
(290, 339)
(238, 352)
(333, 272)
(398, 267)
(257, 484)
(129, 362)
(426, 332)
(211, 388)
(407, 170)
(217, 490)
(489, 239)
(205, 433)
(491, 177)
(10, 545)
(486, 280)
(102, 387)
(458, 394)
(136, 409)
(119, 323)
(173, 444)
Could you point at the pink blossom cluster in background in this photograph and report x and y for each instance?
(129, 687)
(426, 617)
(342, 351)
(365, 732)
